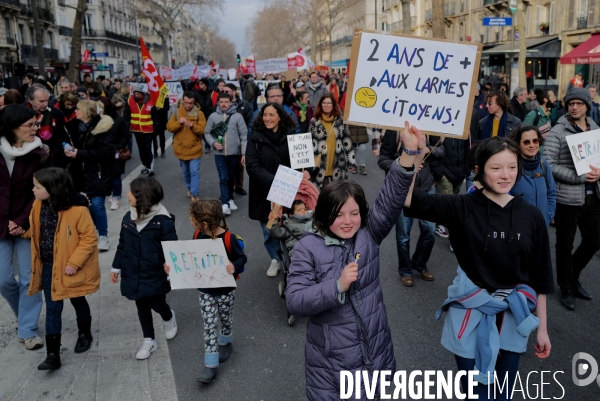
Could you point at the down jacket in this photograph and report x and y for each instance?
(139, 257)
(187, 141)
(347, 331)
(75, 244)
(570, 187)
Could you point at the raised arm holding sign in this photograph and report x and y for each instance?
(284, 189)
(428, 82)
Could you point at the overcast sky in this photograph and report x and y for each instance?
(235, 18)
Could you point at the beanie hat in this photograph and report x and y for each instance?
(205, 81)
(579, 94)
(81, 89)
(138, 88)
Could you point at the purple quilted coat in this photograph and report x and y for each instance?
(348, 331)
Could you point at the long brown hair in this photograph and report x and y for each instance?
(208, 211)
(335, 112)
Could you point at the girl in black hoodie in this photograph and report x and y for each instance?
(499, 239)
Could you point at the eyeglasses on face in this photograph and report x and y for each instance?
(31, 125)
(527, 142)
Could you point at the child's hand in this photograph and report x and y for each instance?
(70, 270)
(167, 269)
(114, 277)
(230, 268)
(349, 275)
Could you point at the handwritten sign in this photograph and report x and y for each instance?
(585, 150)
(301, 151)
(272, 65)
(430, 83)
(285, 186)
(197, 264)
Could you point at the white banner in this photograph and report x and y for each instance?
(585, 150)
(197, 263)
(272, 65)
(285, 186)
(301, 151)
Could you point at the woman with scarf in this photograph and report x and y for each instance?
(21, 155)
(537, 183)
(93, 156)
(499, 122)
(331, 143)
(303, 110)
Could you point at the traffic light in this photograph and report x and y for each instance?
(239, 58)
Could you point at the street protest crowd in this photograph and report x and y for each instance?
(63, 149)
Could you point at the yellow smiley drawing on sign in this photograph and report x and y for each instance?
(365, 97)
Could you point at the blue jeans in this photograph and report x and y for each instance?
(507, 365)
(191, 175)
(424, 245)
(117, 186)
(26, 309)
(227, 168)
(469, 182)
(269, 241)
(98, 212)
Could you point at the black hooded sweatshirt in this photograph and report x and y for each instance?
(497, 247)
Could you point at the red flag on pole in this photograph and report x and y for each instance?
(212, 63)
(86, 55)
(156, 86)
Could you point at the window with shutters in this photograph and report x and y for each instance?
(582, 14)
(551, 17)
(571, 14)
(476, 32)
(593, 12)
(527, 22)
(538, 20)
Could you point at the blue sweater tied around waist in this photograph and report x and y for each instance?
(470, 327)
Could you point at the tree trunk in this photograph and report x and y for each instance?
(406, 22)
(437, 19)
(164, 37)
(75, 56)
(522, 44)
(39, 39)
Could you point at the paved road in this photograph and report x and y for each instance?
(268, 358)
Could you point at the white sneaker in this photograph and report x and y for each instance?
(170, 327)
(232, 205)
(274, 268)
(148, 347)
(114, 204)
(226, 210)
(103, 243)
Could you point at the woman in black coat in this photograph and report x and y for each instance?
(120, 140)
(92, 165)
(267, 148)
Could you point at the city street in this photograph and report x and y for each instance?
(268, 355)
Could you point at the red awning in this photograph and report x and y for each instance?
(586, 53)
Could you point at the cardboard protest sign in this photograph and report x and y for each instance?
(301, 150)
(271, 65)
(428, 82)
(285, 186)
(197, 264)
(585, 150)
(262, 85)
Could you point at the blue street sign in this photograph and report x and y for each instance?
(99, 54)
(497, 21)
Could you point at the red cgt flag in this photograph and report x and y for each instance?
(156, 86)
(86, 55)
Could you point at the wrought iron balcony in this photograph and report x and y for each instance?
(31, 51)
(14, 3)
(43, 13)
(65, 31)
(10, 41)
(582, 22)
(119, 37)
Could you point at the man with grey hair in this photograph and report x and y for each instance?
(517, 103)
(50, 122)
(65, 86)
(594, 113)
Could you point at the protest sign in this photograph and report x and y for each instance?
(301, 150)
(428, 82)
(271, 65)
(585, 150)
(283, 189)
(175, 91)
(197, 264)
(251, 65)
(262, 85)
(166, 72)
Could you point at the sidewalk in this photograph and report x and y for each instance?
(109, 370)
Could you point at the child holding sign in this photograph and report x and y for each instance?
(140, 259)
(334, 278)
(206, 215)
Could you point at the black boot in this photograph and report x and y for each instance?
(207, 375)
(84, 340)
(52, 353)
(224, 352)
(567, 299)
(162, 153)
(580, 292)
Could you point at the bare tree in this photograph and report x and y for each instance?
(39, 38)
(273, 31)
(164, 13)
(406, 17)
(222, 50)
(75, 57)
(308, 18)
(437, 19)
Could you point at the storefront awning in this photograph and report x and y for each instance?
(586, 53)
(532, 45)
(340, 63)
